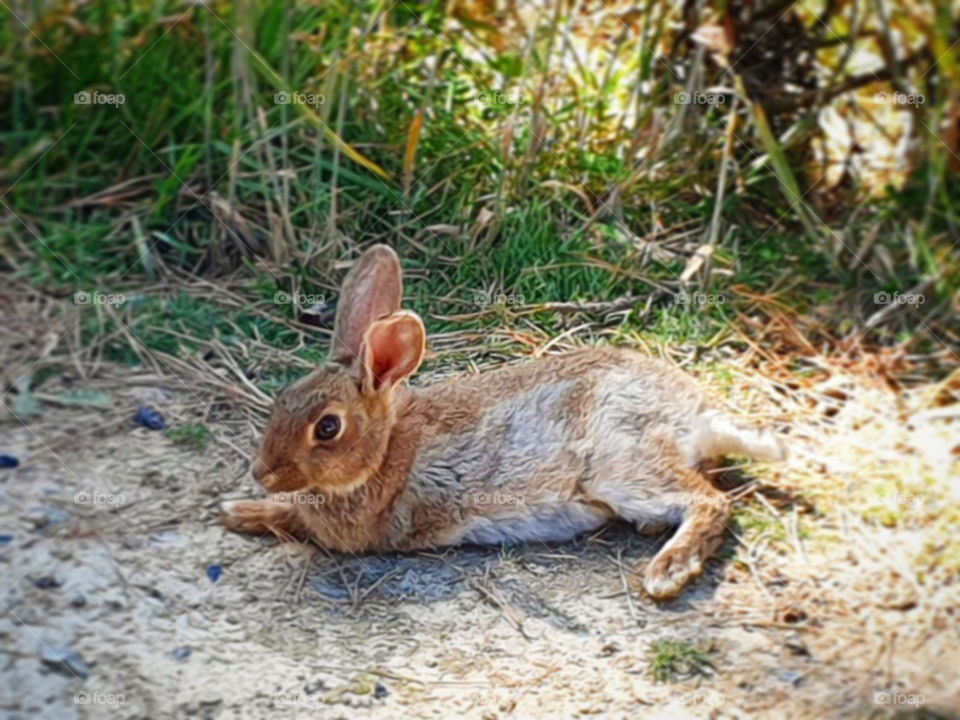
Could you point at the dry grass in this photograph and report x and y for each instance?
(854, 541)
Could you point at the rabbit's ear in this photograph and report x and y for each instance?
(392, 350)
(372, 289)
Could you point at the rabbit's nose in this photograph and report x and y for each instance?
(262, 473)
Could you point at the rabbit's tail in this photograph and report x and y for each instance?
(719, 435)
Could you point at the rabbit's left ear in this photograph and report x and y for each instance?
(392, 350)
(372, 289)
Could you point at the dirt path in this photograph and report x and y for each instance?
(121, 590)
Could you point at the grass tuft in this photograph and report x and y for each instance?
(676, 660)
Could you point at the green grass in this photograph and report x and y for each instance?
(753, 520)
(159, 323)
(96, 195)
(533, 264)
(675, 660)
(194, 436)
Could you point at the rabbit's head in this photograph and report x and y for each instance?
(330, 430)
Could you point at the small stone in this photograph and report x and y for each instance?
(165, 537)
(64, 660)
(29, 616)
(797, 647)
(45, 582)
(8, 461)
(380, 691)
(41, 516)
(315, 687)
(149, 418)
(78, 601)
(792, 677)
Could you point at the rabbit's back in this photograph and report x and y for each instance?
(512, 455)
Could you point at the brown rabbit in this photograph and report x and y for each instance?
(540, 451)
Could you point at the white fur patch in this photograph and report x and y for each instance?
(717, 436)
(548, 523)
(646, 508)
(228, 506)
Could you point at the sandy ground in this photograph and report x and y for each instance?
(113, 607)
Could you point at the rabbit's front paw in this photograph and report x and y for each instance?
(256, 517)
(670, 570)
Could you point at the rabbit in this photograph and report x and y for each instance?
(540, 451)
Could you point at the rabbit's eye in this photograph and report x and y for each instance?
(328, 427)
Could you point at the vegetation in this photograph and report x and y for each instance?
(672, 660)
(525, 155)
(193, 435)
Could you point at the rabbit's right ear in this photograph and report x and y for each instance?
(393, 349)
(372, 289)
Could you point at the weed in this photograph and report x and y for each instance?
(674, 660)
(194, 435)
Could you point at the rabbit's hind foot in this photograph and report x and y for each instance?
(699, 536)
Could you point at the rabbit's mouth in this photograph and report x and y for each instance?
(270, 481)
(281, 479)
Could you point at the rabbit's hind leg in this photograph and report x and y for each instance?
(699, 536)
(258, 517)
(669, 494)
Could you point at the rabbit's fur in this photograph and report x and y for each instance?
(540, 451)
